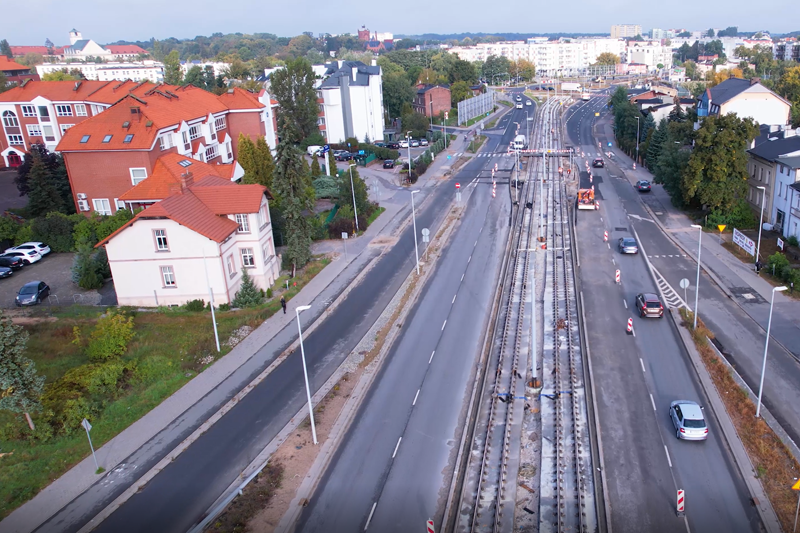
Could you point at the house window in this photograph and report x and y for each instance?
(128, 138)
(231, 267)
(219, 123)
(263, 216)
(85, 139)
(34, 130)
(167, 276)
(28, 111)
(102, 206)
(64, 110)
(161, 240)
(165, 141)
(138, 175)
(187, 144)
(769, 172)
(10, 119)
(107, 139)
(194, 132)
(229, 151)
(265, 250)
(44, 113)
(248, 261)
(212, 152)
(321, 121)
(49, 135)
(244, 223)
(80, 110)
(16, 140)
(65, 127)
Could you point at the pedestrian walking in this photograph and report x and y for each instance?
(283, 304)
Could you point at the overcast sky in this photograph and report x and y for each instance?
(111, 20)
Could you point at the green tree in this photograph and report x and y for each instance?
(266, 164)
(248, 294)
(417, 123)
(194, 76)
(459, 91)
(43, 197)
(677, 114)
(648, 124)
(716, 175)
(691, 69)
(173, 75)
(296, 194)
(247, 159)
(362, 195)
(293, 88)
(20, 386)
(525, 69)
(4, 83)
(5, 49)
(110, 337)
(789, 85)
(461, 70)
(316, 171)
(607, 58)
(669, 168)
(85, 271)
(656, 144)
(710, 32)
(60, 75)
(158, 50)
(495, 68)
(730, 31)
(397, 90)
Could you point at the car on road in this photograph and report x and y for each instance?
(32, 293)
(414, 143)
(627, 245)
(528, 102)
(5, 272)
(423, 142)
(598, 163)
(648, 304)
(393, 145)
(27, 256)
(389, 163)
(14, 263)
(40, 247)
(343, 156)
(519, 105)
(643, 186)
(519, 98)
(688, 419)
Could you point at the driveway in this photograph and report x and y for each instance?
(55, 270)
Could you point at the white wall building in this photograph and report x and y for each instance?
(218, 67)
(352, 101)
(786, 200)
(649, 53)
(135, 71)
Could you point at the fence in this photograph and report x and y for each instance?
(476, 106)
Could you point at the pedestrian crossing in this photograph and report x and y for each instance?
(684, 256)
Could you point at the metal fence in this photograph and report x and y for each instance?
(476, 106)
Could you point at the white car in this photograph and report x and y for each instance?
(40, 247)
(404, 144)
(528, 102)
(27, 256)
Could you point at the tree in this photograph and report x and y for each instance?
(20, 386)
(417, 123)
(56, 175)
(4, 84)
(525, 69)
(730, 31)
(710, 32)
(716, 175)
(60, 75)
(248, 294)
(691, 69)
(607, 58)
(459, 91)
(296, 194)
(685, 34)
(293, 88)
(397, 90)
(42, 196)
(316, 171)
(648, 124)
(789, 85)
(495, 68)
(173, 75)
(247, 158)
(656, 144)
(669, 168)
(266, 164)
(461, 70)
(5, 49)
(362, 195)
(677, 114)
(194, 76)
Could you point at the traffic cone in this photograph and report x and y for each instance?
(605, 236)
(630, 326)
(634, 166)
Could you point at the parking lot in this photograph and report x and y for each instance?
(54, 269)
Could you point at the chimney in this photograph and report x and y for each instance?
(753, 81)
(355, 73)
(187, 180)
(374, 62)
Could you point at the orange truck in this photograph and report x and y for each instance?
(586, 199)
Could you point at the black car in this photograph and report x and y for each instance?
(598, 163)
(5, 272)
(389, 163)
(343, 156)
(393, 146)
(379, 144)
(14, 263)
(643, 186)
(32, 293)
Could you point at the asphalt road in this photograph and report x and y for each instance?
(394, 467)
(638, 376)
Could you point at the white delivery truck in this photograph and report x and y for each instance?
(520, 143)
(570, 86)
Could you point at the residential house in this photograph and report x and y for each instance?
(351, 100)
(763, 168)
(786, 204)
(197, 239)
(81, 49)
(431, 100)
(14, 72)
(110, 153)
(746, 98)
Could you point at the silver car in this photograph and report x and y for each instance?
(687, 417)
(627, 245)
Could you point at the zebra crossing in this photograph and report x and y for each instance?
(671, 297)
(684, 256)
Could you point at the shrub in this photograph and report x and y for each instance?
(224, 307)
(152, 369)
(56, 229)
(195, 306)
(740, 216)
(24, 234)
(269, 292)
(248, 294)
(87, 268)
(792, 240)
(8, 229)
(110, 336)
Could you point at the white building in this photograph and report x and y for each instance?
(786, 201)
(621, 31)
(81, 49)
(649, 53)
(218, 67)
(205, 233)
(351, 97)
(147, 70)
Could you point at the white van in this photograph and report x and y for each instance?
(520, 143)
(312, 150)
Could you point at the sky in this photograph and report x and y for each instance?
(107, 21)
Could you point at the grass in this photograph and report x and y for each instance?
(375, 214)
(773, 462)
(505, 103)
(171, 347)
(475, 145)
(254, 497)
(769, 246)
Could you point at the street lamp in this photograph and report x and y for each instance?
(297, 310)
(761, 220)
(408, 142)
(414, 218)
(431, 114)
(766, 345)
(353, 189)
(697, 282)
(637, 138)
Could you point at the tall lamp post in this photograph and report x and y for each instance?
(431, 114)
(760, 220)
(297, 310)
(414, 219)
(637, 138)
(766, 345)
(353, 190)
(408, 142)
(697, 282)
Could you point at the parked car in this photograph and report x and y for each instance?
(343, 156)
(393, 145)
(627, 245)
(423, 142)
(27, 256)
(40, 247)
(379, 144)
(403, 144)
(414, 143)
(32, 293)
(643, 186)
(5, 272)
(389, 163)
(648, 304)
(688, 419)
(359, 157)
(313, 150)
(598, 163)
(14, 263)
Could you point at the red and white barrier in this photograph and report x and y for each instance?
(617, 276)
(630, 326)
(681, 502)
(430, 526)
(605, 236)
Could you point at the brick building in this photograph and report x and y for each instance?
(14, 72)
(431, 100)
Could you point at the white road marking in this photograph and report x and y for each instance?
(476, 243)
(462, 277)
(431, 359)
(651, 401)
(370, 515)
(613, 261)
(609, 245)
(396, 447)
(454, 299)
(642, 362)
(668, 459)
(469, 259)
(625, 303)
(417, 395)
(443, 325)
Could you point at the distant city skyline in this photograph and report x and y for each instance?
(107, 22)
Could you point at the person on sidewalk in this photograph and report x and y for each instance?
(283, 304)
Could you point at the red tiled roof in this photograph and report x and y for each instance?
(166, 177)
(238, 98)
(61, 91)
(225, 200)
(7, 65)
(125, 49)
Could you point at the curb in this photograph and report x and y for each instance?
(762, 504)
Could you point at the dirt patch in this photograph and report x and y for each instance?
(383, 240)
(298, 453)
(255, 496)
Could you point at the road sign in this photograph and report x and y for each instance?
(361, 152)
(344, 235)
(325, 149)
(609, 144)
(597, 114)
(458, 185)
(721, 227)
(430, 526)
(617, 276)
(448, 157)
(796, 486)
(426, 235)
(780, 244)
(684, 283)
(86, 425)
(445, 115)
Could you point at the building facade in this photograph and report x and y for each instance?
(622, 31)
(746, 98)
(14, 72)
(431, 100)
(764, 166)
(147, 70)
(351, 96)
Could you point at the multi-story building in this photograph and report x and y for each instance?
(201, 235)
(649, 53)
(768, 176)
(14, 72)
(787, 50)
(147, 70)
(80, 49)
(351, 100)
(622, 31)
(431, 100)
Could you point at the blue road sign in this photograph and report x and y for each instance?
(361, 152)
(609, 144)
(448, 157)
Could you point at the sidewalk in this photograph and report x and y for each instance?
(166, 425)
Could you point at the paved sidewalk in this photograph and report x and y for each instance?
(207, 391)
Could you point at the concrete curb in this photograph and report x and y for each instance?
(768, 517)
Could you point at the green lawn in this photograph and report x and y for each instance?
(375, 214)
(170, 347)
(476, 144)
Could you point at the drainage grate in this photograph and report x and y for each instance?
(620, 229)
